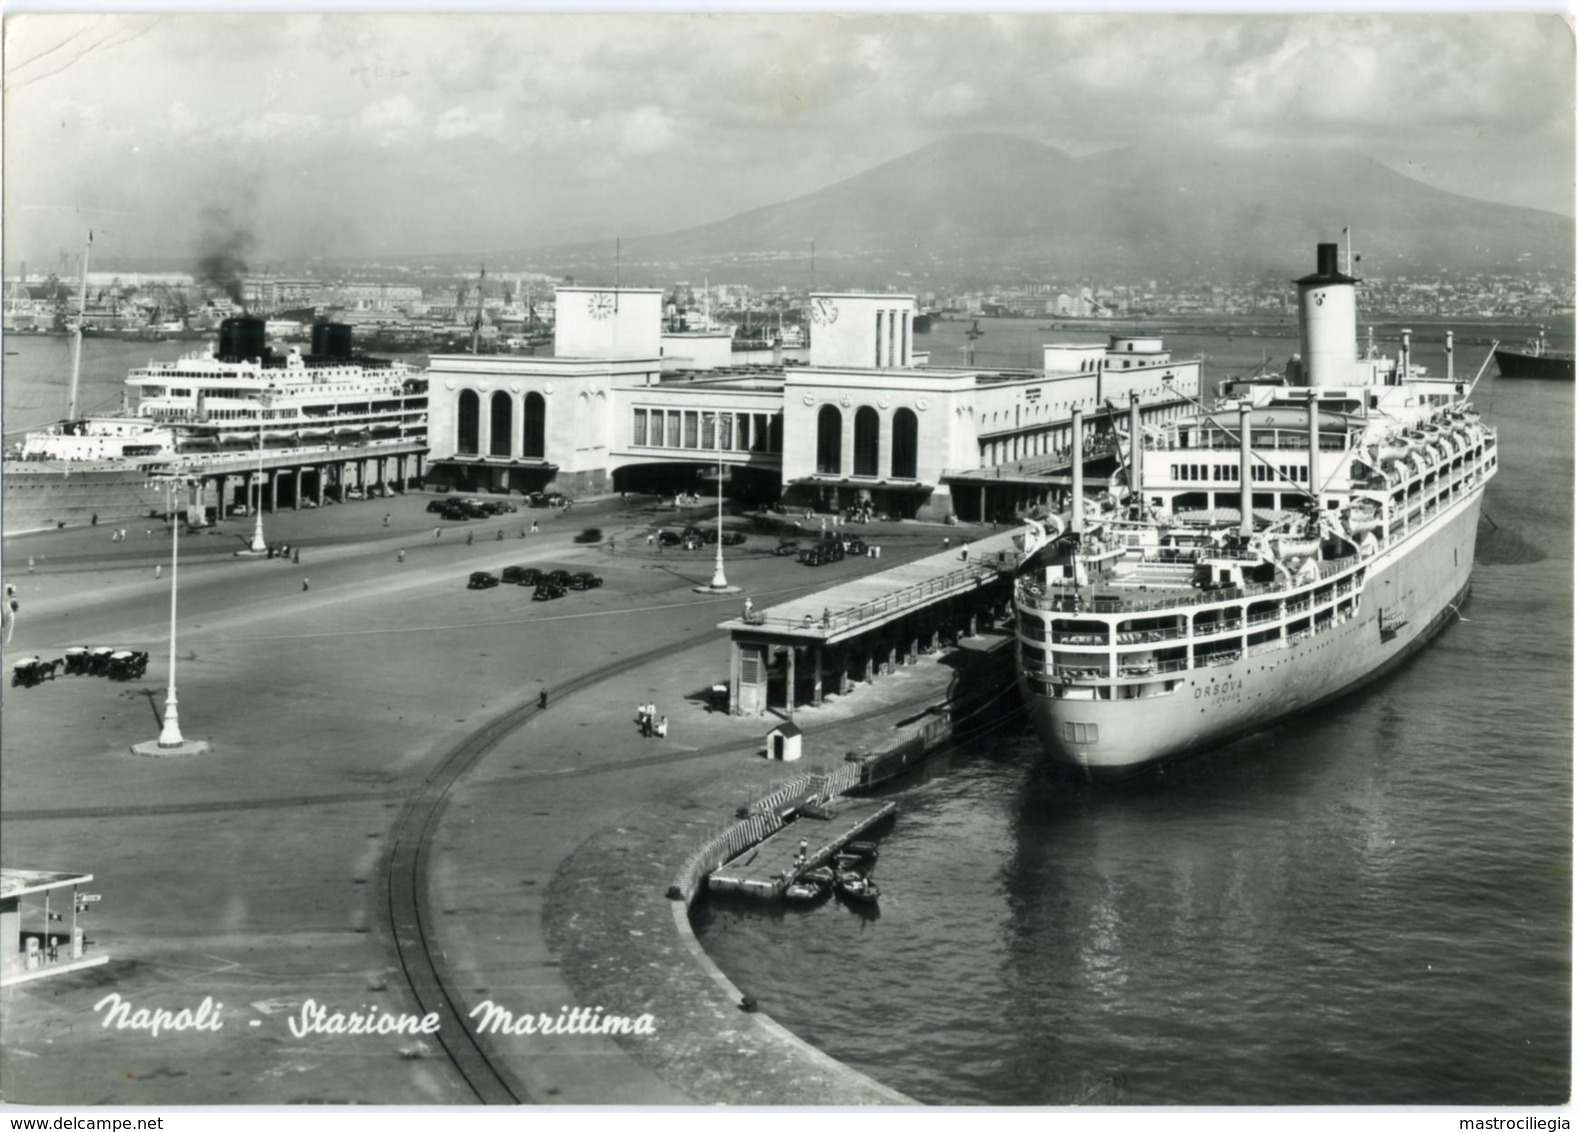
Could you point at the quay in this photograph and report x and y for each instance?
(763, 871)
(803, 650)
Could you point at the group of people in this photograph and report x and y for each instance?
(284, 550)
(651, 722)
(118, 535)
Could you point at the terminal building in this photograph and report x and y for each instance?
(866, 421)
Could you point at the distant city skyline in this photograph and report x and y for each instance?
(359, 135)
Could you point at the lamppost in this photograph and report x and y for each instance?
(259, 546)
(170, 741)
(719, 585)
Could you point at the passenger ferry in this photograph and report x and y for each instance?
(237, 396)
(1274, 551)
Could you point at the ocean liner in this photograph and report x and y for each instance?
(207, 407)
(1282, 547)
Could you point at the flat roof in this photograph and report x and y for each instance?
(24, 882)
(862, 603)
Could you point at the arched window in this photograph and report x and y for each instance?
(830, 426)
(466, 411)
(500, 411)
(534, 413)
(866, 441)
(902, 451)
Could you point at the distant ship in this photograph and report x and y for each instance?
(1536, 359)
(1285, 546)
(227, 400)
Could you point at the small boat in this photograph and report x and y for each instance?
(804, 891)
(864, 849)
(862, 890)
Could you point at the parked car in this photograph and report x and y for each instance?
(437, 505)
(377, 491)
(692, 533)
(238, 511)
(787, 547)
(308, 504)
(556, 499)
(558, 577)
(590, 535)
(521, 576)
(481, 580)
(669, 538)
(731, 538)
(548, 591)
(585, 581)
(355, 493)
(456, 513)
(504, 507)
(537, 499)
(855, 546)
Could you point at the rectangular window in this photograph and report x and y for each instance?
(1080, 732)
(691, 429)
(709, 440)
(759, 432)
(751, 666)
(639, 427)
(672, 436)
(727, 427)
(742, 433)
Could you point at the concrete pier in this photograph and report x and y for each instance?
(764, 870)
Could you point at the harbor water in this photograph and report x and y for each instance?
(1366, 905)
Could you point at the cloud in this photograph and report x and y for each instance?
(647, 129)
(462, 122)
(390, 121)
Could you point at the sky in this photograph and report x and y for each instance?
(368, 135)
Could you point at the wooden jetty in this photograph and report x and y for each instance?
(764, 870)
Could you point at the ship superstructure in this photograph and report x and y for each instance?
(1277, 549)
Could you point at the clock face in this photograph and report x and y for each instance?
(824, 311)
(600, 304)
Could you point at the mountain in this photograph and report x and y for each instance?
(988, 203)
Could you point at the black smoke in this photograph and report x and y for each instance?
(225, 240)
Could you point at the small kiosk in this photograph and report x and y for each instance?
(39, 938)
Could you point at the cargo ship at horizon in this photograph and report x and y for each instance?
(236, 397)
(1536, 359)
(1280, 548)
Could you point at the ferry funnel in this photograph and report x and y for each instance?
(1327, 322)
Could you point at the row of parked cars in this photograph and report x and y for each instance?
(547, 584)
(462, 509)
(693, 538)
(830, 550)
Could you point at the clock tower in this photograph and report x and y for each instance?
(607, 322)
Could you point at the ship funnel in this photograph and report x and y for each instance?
(242, 339)
(1327, 323)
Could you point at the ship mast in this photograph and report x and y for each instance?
(76, 346)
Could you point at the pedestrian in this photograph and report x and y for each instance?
(386, 519)
(437, 532)
(534, 526)
(94, 522)
(650, 538)
(269, 550)
(825, 617)
(296, 557)
(748, 604)
(499, 535)
(663, 726)
(148, 533)
(29, 563)
(159, 571)
(123, 534)
(946, 542)
(543, 700)
(522, 532)
(306, 585)
(468, 538)
(965, 555)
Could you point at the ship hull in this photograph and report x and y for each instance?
(43, 495)
(1416, 587)
(1549, 366)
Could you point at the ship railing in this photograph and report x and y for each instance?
(1300, 606)
(1263, 617)
(1059, 638)
(1217, 659)
(1263, 646)
(1073, 675)
(1149, 636)
(1153, 668)
(1299, 635)
(1213, 628)
(911, 595)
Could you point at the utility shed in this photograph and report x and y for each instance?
(784, 742)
